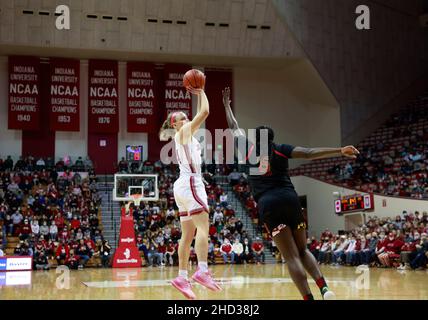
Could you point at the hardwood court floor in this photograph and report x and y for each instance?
(238, 282)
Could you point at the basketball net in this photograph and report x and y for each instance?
(136, 198)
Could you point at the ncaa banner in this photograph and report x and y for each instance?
(176, 96)
(103, 104)
(141, 97)
(64, 96)
(24, 93)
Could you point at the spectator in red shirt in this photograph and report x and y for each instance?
(75, 223)
(391, 251)
(59, 221)
(213, 231)
(90, 244)
(250, 203)
(162, 251)
(258, 250)
(25, 230)
(155, 217)
(62, 253)
(50, 248)
(226, 250)
(73, 260)
(64, 234)
(169, 253)
(229, 212)
(326, 234)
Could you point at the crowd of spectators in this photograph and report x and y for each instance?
(53, 209)
(399, 242)
(393, 160)
(157, 224)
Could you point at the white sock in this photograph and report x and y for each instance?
(203, 266)
(183, 273)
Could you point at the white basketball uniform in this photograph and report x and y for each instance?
(189, 189)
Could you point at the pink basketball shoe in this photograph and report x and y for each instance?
(184, 287)
(206, 279)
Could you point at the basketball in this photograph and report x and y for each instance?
(194, 78)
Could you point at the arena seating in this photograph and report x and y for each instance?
(403, 237)
(393, 159)
(408, 247)
(35, 195)
(158, 224)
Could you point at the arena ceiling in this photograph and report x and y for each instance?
(216, 32)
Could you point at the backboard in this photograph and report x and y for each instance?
(126, 185)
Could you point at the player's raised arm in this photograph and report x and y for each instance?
(230, 117)
(203, 109)
(319, 153)
(186, 132)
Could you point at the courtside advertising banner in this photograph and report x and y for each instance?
(24, 93)
(176, 96)
(64, 95)
(16, 263)
(103, 104)
(141, 106)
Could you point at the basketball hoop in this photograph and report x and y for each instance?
(137, 199)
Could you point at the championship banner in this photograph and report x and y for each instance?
(176, 96)
(24, 93)
(103, 110)
(64, 111)
(140, 97)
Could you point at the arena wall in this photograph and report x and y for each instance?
(291, 99)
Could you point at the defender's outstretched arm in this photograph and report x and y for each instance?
(319, 153)
(231, 120)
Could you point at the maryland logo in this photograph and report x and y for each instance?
(301, 226)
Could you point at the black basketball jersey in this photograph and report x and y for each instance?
(265, 171)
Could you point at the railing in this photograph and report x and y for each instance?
(115, 233)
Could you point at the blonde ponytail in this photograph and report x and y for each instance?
(166, 131)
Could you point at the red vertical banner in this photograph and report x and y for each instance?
(176, 96)
(24, 93)
(64, 110)
(103, 105)
(217, 80)
(141, 97)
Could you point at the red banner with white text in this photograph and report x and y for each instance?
(176, 96)
(141, 97)
(24, 93)
(103, 104)
(64, 111)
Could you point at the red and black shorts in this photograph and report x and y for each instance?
(279, 208)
